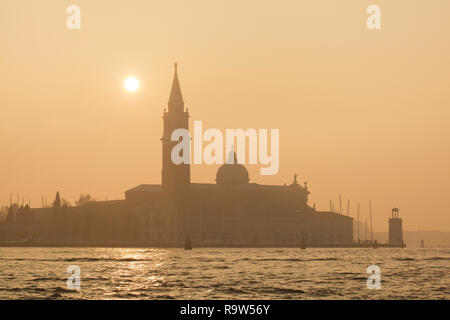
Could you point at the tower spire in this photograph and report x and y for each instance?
(176, 103)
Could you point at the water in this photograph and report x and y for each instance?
(224, 273)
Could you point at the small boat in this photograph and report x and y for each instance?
(303, 244)
(188, 244)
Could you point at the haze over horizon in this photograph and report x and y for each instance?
(362, 113)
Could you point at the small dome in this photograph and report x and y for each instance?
(232, 174)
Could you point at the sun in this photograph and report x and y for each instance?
(131, 84)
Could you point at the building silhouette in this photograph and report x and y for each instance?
(233, 211)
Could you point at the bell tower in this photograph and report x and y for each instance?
(175, 178)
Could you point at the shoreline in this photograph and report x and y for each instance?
(181, 246)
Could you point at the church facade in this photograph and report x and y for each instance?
(230, 212)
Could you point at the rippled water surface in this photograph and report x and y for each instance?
(224, 273)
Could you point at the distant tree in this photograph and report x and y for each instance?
(84, 199)
(57, 202)
(65, 203)
(3, 213)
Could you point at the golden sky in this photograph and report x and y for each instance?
(362, 113)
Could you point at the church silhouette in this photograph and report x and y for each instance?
(230, 212)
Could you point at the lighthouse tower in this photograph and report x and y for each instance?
(395, 228)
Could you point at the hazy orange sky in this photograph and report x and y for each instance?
(362, 113)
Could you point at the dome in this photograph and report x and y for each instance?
(232, 174)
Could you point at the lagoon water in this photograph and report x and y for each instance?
(224, 273)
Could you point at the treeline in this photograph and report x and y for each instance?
(23, 215)
(83, 199)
